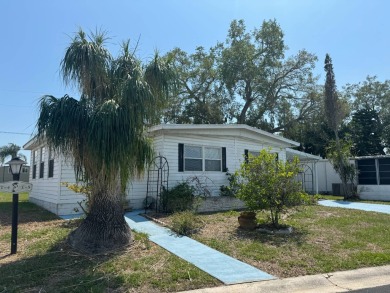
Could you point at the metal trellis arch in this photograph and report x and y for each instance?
(307, 178)
(158, 174)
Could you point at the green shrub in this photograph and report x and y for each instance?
(185, 223)
(179, 198)
(232, 189)
(269, 184)
(143, 238)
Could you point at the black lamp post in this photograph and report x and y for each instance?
(15, 166)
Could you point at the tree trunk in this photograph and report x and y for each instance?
(104, 229)
(248, 102)
(241, 118)
(344, 182)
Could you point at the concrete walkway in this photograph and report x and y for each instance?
(219, 265)
(369, 207)
(323, 283)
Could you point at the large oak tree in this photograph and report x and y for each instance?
(271, 91)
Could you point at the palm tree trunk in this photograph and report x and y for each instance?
(104, 228)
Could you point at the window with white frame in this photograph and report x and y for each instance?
(202, 158)
(212, 159)
(256, 154)
(193, 158)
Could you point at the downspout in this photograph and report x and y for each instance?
(316, 175)
(326, 178)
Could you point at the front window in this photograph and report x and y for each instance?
(254, 153)
(193, 158)
(212, 159)
(198, 158)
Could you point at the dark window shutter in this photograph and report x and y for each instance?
(246, 156)
(181, 157)
(51, 168)
(41, 169)
(34, 174)
(224, 169)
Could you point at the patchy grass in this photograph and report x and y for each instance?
(331, 197)
(45, 263)
(324, 240)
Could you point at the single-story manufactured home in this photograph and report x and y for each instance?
(202, 153)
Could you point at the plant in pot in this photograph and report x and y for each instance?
(270, 184)
(247, 220)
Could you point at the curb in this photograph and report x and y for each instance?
(325, 283)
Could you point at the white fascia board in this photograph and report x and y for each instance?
(302, 155)
(244, 131)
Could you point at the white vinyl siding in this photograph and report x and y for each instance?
(49, 192)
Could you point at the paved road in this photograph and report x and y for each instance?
(380, 289)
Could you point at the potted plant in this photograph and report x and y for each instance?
(247, 220)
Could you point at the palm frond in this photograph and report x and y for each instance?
(86, 64)
(104, 132)
(10, 150)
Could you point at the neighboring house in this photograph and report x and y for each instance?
(310, 174)
(200, 152)
(373, 177)
(6, 175)
(372, 180)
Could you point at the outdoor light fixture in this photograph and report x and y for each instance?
(15, 165)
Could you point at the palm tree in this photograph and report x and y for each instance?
(10, 150)
(104, 131)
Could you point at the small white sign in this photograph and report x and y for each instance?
(15, 186)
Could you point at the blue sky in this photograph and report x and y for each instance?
(35, 35)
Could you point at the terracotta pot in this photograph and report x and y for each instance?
(247, 220)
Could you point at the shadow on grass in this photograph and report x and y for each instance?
(27, 212)
(60, 269)
(298, 236)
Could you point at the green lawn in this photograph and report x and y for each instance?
(324, 240)
(44, 262)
